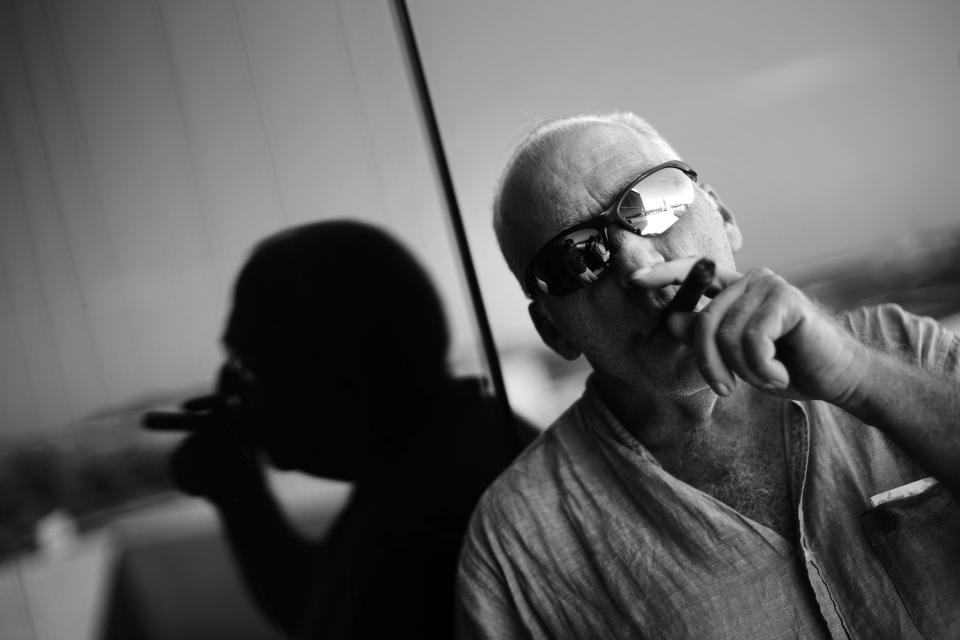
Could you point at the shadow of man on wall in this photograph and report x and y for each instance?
(337, 367)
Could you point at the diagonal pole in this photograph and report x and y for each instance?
(453, 208)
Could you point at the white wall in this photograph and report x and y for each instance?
(146, 145)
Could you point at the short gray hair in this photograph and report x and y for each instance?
(509, 224)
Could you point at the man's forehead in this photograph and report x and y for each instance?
(590, 152)
(582, 169)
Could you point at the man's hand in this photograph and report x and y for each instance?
(765, 331)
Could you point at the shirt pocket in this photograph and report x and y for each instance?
(917, 539)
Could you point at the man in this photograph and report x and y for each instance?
(337, 367)
(718, 477)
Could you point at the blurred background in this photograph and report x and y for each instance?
(146, 145)
(830, 129)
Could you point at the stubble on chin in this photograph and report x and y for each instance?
(657, 364)
(674, 372)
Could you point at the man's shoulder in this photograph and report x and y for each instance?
(533, 468)
(918, 339)
(525, 518)
(886, 322)
(535, 478)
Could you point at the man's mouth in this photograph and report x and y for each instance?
(666, 294)
(661, 298)
(653, 304)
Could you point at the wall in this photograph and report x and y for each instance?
(145, 146)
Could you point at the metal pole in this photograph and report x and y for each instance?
(453, 208)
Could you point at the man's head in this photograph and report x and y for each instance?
(568, 172)
(338, 323)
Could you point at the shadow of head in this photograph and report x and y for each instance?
(345, 335)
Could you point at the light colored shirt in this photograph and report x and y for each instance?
(586, 535)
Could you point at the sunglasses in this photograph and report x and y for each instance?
(580, 254)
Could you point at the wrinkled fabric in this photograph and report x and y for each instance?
(586, 536)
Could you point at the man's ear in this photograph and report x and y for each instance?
(549, 333)
(729, 222)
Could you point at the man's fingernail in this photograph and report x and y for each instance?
(722, 389)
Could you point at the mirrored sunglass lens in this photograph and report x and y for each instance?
(656, 202)
(573, 260)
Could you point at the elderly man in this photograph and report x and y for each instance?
(751, 469)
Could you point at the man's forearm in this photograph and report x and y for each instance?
(916, 409)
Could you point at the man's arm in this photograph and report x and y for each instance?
(763, 330)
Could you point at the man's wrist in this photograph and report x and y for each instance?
(868, 371)
(854, 388)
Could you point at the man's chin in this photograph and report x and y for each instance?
(659, 340)
(678, 372)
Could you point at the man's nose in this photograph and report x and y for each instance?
(631, 252)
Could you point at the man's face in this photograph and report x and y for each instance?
(615, 325)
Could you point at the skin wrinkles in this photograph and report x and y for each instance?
(568, 182)
(600, 174)
(610, 301)
(612, 323)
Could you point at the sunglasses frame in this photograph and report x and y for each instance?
(600, 223)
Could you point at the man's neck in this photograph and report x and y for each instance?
(730, 448)
(660, 421)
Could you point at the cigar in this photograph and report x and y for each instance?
(694, 285)
(188, 420)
